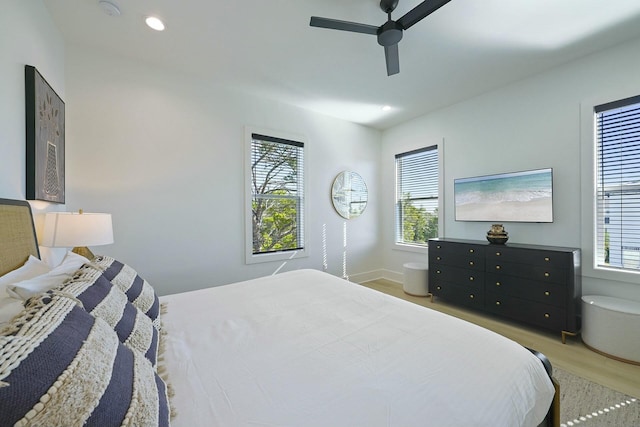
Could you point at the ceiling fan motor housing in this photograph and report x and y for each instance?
(389, 33)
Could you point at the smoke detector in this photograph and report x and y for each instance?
(109, 8)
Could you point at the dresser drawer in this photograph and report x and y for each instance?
(466, 260)
(542, 315)
(470, 297)
(545, 274)
(526, 256)
(439, 273)
(544, 292)
(441, 247)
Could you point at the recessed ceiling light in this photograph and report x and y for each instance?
(155, 23)
(386, 108)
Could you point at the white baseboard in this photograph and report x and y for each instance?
(393, 276)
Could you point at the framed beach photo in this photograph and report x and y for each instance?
(525, 196)
(45, 121)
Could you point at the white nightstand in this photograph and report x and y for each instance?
(611, 326)
(416, 279)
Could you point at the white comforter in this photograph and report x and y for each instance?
(305, 348)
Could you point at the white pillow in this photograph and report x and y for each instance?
(54, 278)
(33, 267)
(9, 308)
(70, 263)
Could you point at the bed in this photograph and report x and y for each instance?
(301, 348)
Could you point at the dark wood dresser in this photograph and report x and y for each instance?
(536, 285)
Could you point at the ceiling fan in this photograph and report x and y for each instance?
(389, 33)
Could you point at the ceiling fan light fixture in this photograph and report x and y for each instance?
(154, 23)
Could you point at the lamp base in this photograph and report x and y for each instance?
(83, 251)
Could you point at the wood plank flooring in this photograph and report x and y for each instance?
(572, 356)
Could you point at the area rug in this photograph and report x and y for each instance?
(584, 403)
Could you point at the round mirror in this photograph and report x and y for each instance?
(349, 194)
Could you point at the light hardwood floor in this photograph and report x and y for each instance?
(572, 356)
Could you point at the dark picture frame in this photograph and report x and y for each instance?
(45, 129)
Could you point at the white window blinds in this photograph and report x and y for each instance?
(277, 194)
(417, 196)
(618, 184)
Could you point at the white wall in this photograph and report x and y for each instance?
(535, 123)
(27, 37)
(164, 154)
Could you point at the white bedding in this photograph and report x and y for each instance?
(305, 348)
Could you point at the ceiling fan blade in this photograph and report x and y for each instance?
(334, 24)
(419, 12)
(392, 58)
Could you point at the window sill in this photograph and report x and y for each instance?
(612, 273)
(410, 248)
(275, 256)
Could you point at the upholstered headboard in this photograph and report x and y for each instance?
(17, 234)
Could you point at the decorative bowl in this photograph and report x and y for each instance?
(497, 240)
(497, 235)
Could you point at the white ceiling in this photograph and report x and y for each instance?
(267, 47)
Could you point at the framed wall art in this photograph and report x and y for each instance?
(525, 196)
(45, 139)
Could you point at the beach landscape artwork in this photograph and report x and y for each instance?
(525, 196)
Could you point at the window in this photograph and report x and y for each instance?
(417, 196)
(618, 184)
(276, 177)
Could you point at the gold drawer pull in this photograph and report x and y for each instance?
(497, 267)
(438, 258)
(498, 284)
(438, 287)
(438, 246)
(438, 271)
(471, 251)
(497, 302)
(547, 315)
(471, 296)
(547, 293)
(498, 254)
(471, 279)
(470, 262)
(547, 259)
(546, 274)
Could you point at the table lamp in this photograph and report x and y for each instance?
(77, 230)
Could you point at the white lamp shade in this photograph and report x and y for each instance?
(69, 229)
